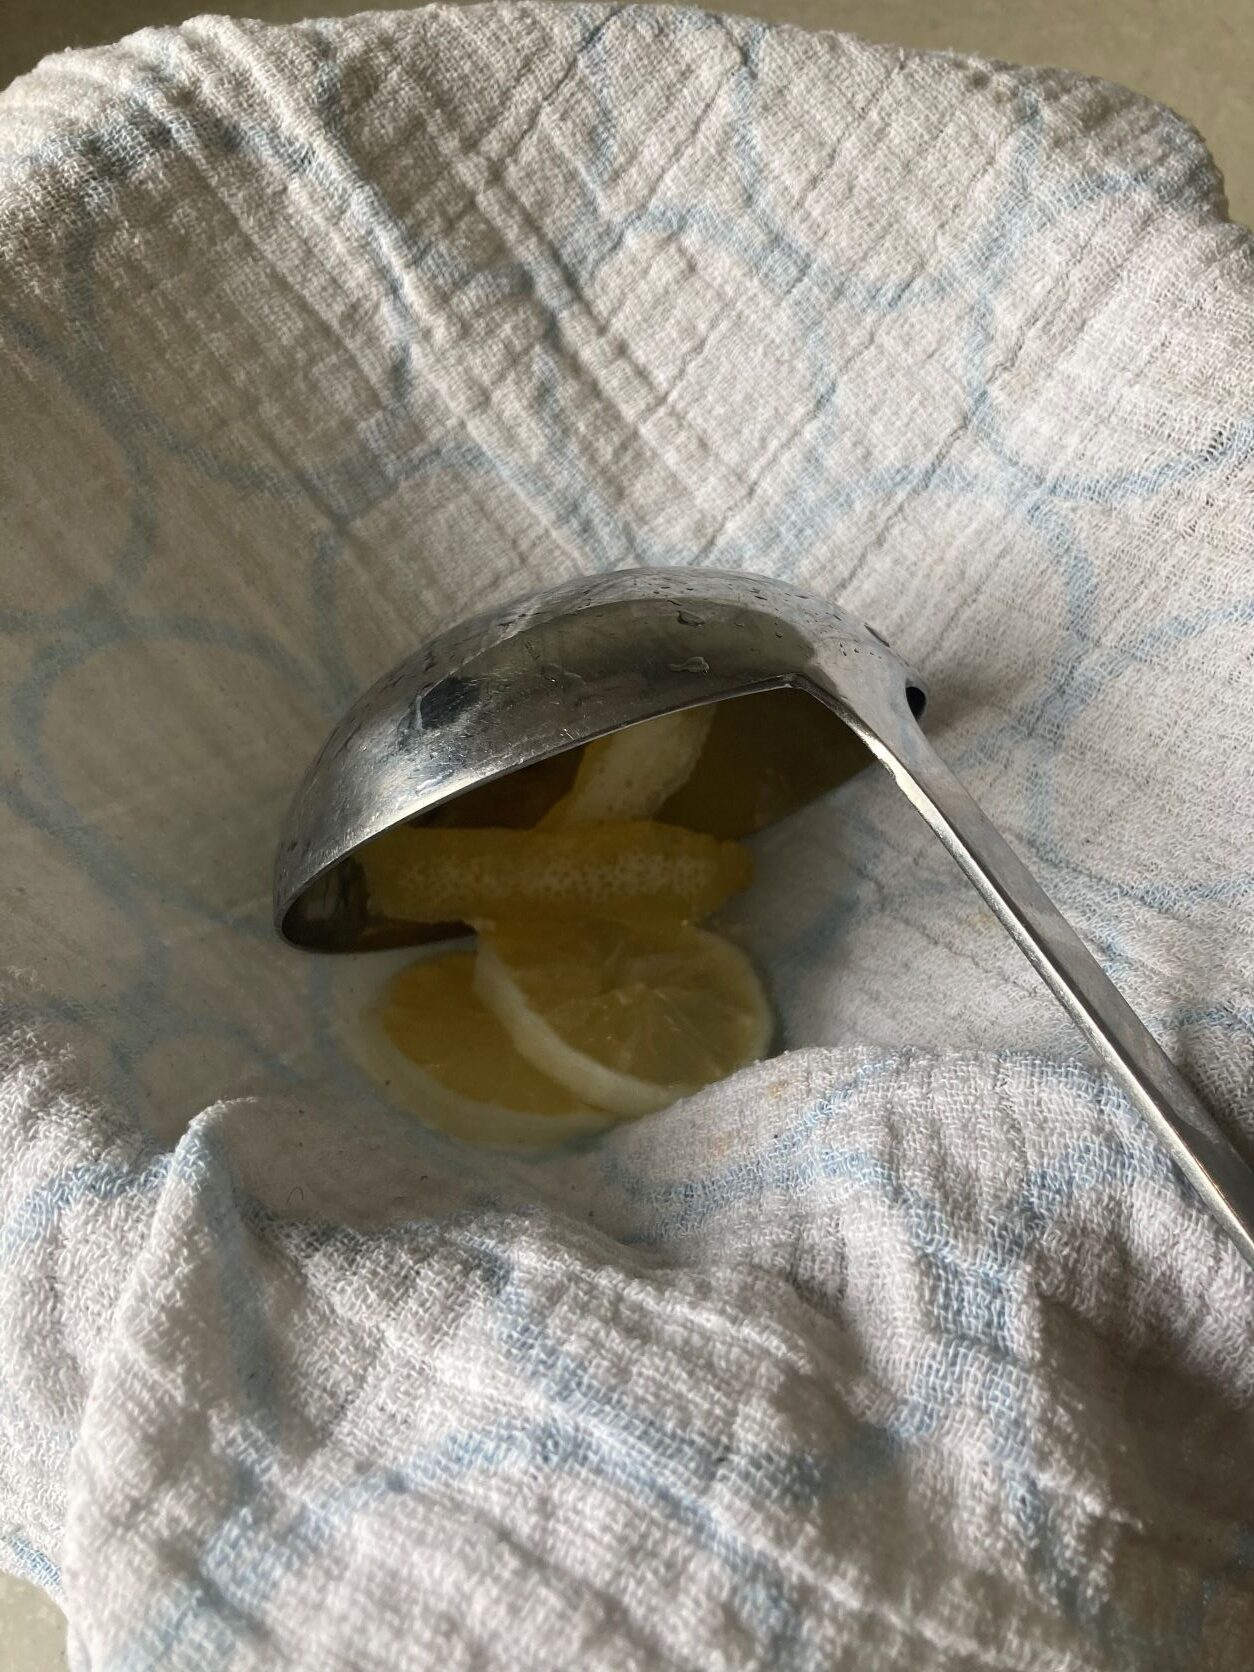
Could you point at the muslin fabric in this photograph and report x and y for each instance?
(906, 1348)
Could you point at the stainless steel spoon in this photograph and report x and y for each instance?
(513, 688)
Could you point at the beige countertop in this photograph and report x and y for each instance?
(1195, 55)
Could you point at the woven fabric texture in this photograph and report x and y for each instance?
(904, 1349)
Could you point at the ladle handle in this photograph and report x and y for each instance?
(1197, 1145)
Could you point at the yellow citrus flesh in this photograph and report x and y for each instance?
(627, 1017)
(636, 871)
(440, 1052)
(630, 773)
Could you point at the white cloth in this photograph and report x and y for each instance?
(906, 1348)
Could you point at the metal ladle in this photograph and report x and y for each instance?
(511, 689)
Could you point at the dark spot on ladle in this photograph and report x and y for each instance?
(438, 707)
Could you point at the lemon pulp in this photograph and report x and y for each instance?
(627, 1017)
(630, 773)
(635, 870)
(443, 1054)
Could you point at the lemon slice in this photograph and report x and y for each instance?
(628, 1017)
(630, 773)
(638, 871)
(437, 1052)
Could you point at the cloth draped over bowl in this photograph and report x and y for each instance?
(906, 1348)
